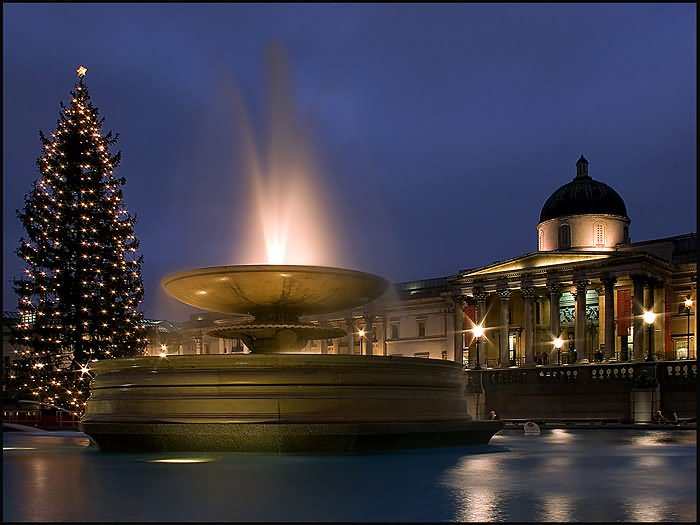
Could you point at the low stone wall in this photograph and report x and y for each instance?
(606, 390)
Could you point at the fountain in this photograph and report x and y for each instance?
(276, 398)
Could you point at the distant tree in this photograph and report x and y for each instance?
(81, 288)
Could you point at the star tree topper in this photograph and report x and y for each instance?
(81, 71)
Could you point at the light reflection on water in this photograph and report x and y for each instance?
(563, 475)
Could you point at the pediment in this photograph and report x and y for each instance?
(537, 260)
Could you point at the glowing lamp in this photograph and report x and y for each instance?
(649, 317)
(558, 343)
(478, 330)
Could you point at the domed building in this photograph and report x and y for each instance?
(587, 285)
(584, 214)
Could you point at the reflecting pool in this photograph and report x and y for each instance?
(560, 475)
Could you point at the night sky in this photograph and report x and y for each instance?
(441, 129)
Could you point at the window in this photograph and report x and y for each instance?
(425, 355)
(444, 355)
(394, 330)
(421, 328)
(680, 347)
(599, 235)
(206, 348)
(540, 239)
(564, 237)
(512, 342)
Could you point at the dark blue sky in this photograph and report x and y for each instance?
(442, 128)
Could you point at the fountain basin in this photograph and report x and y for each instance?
(280, 403)
(274, 292)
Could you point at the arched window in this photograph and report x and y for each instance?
(540, 239)
(626, 233)
(599, 234)
(564, 237)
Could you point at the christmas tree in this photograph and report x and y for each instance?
(81, 288)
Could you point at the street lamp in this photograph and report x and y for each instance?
(688, 303)
(478, 331)
(558, 342)
(163, 351)
(649, 318)
(361, 333)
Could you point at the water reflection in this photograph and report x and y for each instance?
(646, 508)
(650, 462)
(561, 436)
(556, 507)
(656, 438)
(593, 476)
(478, 504)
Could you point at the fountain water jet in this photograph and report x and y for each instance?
(289, 223)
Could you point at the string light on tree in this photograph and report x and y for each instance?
(79, 241)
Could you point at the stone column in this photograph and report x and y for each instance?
(528, 294)
(480, 295)
(554, 288)
(350, 324)
(649, 306)
(580, 330)
(458, 301)
(369, 334)
(609, 323)
(504, 296)
(637, 321)
(381, 337)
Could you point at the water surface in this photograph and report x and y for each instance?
(561, 475)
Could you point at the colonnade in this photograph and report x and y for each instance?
(370, 326)
(643, 290)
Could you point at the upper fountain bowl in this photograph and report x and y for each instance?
(276, 292)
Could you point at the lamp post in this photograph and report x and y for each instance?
(478, 331)
(649, 318)
(361, 333)
(558, 342)
(688, 303)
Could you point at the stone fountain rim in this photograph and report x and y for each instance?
(282, 360)
(173, 276)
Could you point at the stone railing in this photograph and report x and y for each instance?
(639, 374)
(678, 371)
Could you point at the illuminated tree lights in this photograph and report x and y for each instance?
(78, 297)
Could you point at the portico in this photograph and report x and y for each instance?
(527, 302)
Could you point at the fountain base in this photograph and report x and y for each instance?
(316, 438)
(280, 403)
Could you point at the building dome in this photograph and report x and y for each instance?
(583, 196)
